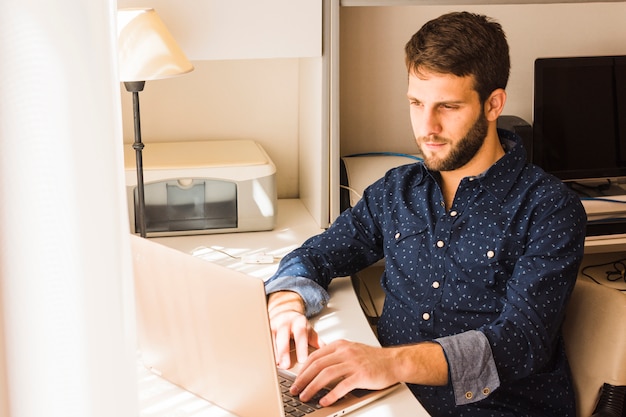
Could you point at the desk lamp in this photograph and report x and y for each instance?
(147, 51)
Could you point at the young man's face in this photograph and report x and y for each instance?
(448, 120)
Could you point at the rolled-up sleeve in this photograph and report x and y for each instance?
(314, 296)
(473, 372)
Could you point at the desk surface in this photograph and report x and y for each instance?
(342, 319)
(605, 244)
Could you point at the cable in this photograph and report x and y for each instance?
(352, 190)
(405, 155)
(618, 273)
(255, 258)
(608, 200)
(202, 250)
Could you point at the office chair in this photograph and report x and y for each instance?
(595, 342)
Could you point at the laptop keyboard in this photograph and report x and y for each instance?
(292, 405)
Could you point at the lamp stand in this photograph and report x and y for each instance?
(135, 87)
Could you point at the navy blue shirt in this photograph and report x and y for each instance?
(488, 279)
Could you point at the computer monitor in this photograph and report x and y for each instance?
(579, 126)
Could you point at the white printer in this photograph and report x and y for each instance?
(203, 187)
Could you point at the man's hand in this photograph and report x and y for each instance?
(352, 365)
(348, 364)
(288, 322)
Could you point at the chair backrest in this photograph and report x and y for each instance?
(595, 340)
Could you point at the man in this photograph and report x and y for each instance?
(481, 252)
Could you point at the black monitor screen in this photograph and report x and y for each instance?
(579, 122)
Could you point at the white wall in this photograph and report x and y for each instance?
(374, 113)
(241, 29)
(234, 99)
(246, 82)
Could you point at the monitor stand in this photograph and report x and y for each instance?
(597, 188)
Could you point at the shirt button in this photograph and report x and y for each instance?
(440, 244)
(490, 254)
(469, 395)
(426, 316)
(435, 284)
(453, 213)
(397, 235)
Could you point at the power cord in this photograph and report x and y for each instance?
(606, 219)
(255, 258)
(404, 155)
(352, 190)
(608, 200)
(617, 273)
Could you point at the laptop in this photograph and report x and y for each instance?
(205, 328)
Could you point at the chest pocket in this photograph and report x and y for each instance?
(406, 258)
(479, 272)
(405, 240)
(488, 260)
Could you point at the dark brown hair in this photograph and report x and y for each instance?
(462, 44)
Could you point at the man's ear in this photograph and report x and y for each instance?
(494, 105)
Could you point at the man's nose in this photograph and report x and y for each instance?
(427, 123)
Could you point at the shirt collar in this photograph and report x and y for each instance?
(497, 180)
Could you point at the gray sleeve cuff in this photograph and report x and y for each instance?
(315, 297)
(473, 372)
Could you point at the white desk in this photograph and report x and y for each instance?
(342, 319)
(607, 244)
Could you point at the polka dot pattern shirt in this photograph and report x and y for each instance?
(488, 279)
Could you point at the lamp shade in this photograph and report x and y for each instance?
(147, 50)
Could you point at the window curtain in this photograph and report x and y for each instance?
(67, 345)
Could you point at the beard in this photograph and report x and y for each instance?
(463, 151)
